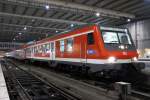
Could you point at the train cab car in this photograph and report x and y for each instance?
(115, 48)
(105, 51)
(95, 45)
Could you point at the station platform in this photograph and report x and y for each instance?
(3, 88)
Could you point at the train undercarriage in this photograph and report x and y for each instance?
(127, 72)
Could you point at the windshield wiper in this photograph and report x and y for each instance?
(114, 41)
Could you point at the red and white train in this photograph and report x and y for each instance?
(104, 50)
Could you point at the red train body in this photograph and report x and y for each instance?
(94, 47)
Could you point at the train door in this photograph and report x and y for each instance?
(52, 50)
(83, 49)
(86, 46)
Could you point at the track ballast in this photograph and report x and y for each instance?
(24, 86)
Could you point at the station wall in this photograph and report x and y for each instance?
(2, 53)
(140, 32)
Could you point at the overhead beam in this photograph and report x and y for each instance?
(41, 18)
(70, 6)
(11, 43)
(14, 25)
(22, 31)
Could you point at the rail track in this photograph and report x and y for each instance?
(134, 93)
(24, 86)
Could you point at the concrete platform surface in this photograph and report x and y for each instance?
(3, 88)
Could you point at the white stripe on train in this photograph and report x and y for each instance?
(92, 61)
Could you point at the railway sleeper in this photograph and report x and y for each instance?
(32, 87)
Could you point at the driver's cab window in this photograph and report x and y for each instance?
(110, 37)
(124, 38)
(116, 37)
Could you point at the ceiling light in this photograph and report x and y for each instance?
(97, 14)
(25, 28)
(72, 25)
(128, 20)
(19, 33)
(56, 31)
(47, 7)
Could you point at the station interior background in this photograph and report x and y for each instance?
(23, 21)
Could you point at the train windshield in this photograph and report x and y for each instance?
(116, 36)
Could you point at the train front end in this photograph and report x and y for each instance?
(120, 54)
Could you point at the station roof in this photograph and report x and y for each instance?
(29, 20)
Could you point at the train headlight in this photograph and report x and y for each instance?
(134, 59)
(122, 47)
(111, 59)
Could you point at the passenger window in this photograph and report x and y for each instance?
(40, 49)
(52, 47)
(43, 48)
(62, 45)
(34, 50)
(90, 38)
(47, 47)
(69, 44)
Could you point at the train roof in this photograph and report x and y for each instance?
(61, 33)
(70, 30)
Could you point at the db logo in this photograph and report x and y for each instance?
(124, 53)
(91, 51)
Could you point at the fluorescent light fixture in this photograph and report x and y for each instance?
(126, 30)
(97, 14)
(47, 7)
(25, 28)
(19, 33)
(128, 20)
